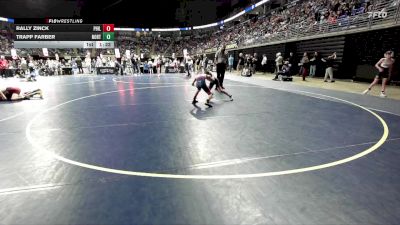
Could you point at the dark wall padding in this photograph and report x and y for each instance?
(356, 53)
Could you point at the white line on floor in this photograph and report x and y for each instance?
(384, 111)
(248, 159)
(11, 117)
(16, 190)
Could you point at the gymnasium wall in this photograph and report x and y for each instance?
(357, 53)
(363, 50)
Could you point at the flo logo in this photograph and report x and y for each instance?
(378, 14)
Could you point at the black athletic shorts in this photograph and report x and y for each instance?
(214, 82)
(384, 73)
(8, 96)
(202, 85)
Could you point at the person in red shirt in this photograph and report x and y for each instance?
(3, 66)
(7, 94)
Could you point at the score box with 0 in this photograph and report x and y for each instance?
(108, 27)
(98, 44)
(108, 36)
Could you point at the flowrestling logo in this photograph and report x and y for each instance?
(64, 21)
(378, 14)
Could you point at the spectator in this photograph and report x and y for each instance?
(146, 67)
(264, 63)
(292, 63)
(150, 64)
(230, 63)
(240, 63)
(254, 61)
(79, 64)
(329, 67)
(305, 64)
(118, 67)
(3, 66)
(88, 63)
(190, 65)
(279, 64)
(313, 64)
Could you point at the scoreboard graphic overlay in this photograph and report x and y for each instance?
(62, 33)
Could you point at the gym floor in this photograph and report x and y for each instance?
(134, 150)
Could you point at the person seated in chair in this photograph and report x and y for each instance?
(247, 72)
(284, 72)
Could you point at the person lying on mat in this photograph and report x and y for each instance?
(7, 94)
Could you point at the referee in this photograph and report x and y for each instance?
(220, 60)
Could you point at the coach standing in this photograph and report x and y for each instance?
(220, 59)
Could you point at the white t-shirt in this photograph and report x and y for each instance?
(264, 61)
(279, 60)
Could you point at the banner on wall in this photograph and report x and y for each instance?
(231, 46)
(210, 50)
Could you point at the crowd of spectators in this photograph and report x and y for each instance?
(299, 16)
(162, 44)
(143, 43)
(5, 38)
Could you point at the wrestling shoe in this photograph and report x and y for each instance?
(41, 95)
(382, 95)
(366, 91)
(231, 98)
